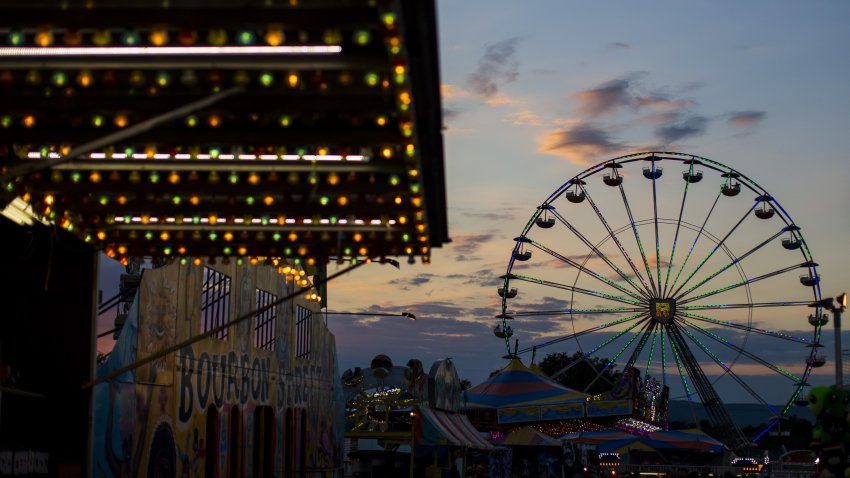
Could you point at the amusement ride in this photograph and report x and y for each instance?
(676, 265)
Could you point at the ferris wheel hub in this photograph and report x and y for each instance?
(662, 310)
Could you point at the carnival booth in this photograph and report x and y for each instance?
(403, 422)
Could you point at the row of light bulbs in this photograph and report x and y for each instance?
(292, 178)
(316, 154)
(190, 78)
(161, 35)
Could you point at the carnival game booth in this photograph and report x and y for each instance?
(518, 395)
(403, 422)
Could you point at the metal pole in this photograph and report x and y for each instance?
(121, 135)
(839, 363)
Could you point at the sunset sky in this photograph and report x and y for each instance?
(536, 92)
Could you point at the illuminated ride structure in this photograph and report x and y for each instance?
(198, 133)
(215, 128)
(685, 275)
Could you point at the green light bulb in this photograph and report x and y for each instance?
(245, 37)
(191, 121)
(97, 121)
(59, 78)
(130, 38)
(266, 79)
(362, 37)
(16, 38)
(372, 79)
(163, 79)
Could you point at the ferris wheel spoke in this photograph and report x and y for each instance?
(599, 253)
(747, 328)
(726, 368)
(580, 267)
(657, 236)
(648, 330)
(742, 351)
(716, 247)
(793, 303)
(616, 336)
(640, 333)
(735, 261)
(578, 290)
(663, 360)
(696, 239)
(676, 235)
(682, 372)
(708, 395)
(628, 208)
(580, 333)
(613, 236)
(739, 284)
(652, 347)
(604, 310)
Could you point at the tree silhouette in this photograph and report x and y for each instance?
(581, 374)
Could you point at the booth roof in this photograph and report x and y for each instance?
(517, 385)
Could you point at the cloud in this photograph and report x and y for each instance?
(619, 45)
(452, 92)
(450, 113)
(745, 119)
(605, 98)
(627, 92)
(468, 244)
(409, 282)
(580, 143)
(526, 117)
(498, 66)
(691, 126)
(500, 100)
(664, 103)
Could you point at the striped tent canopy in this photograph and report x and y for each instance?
(527, 436)
(614, 440)
(691, 439)
(597, 437)
(517, 385)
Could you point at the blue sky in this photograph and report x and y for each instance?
(535, 92)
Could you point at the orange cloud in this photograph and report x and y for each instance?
(581, 143)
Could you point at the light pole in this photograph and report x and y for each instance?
(409, 315)
(837, 308)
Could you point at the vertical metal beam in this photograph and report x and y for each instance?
(839, 362)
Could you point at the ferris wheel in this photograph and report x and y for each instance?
(678, 266)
